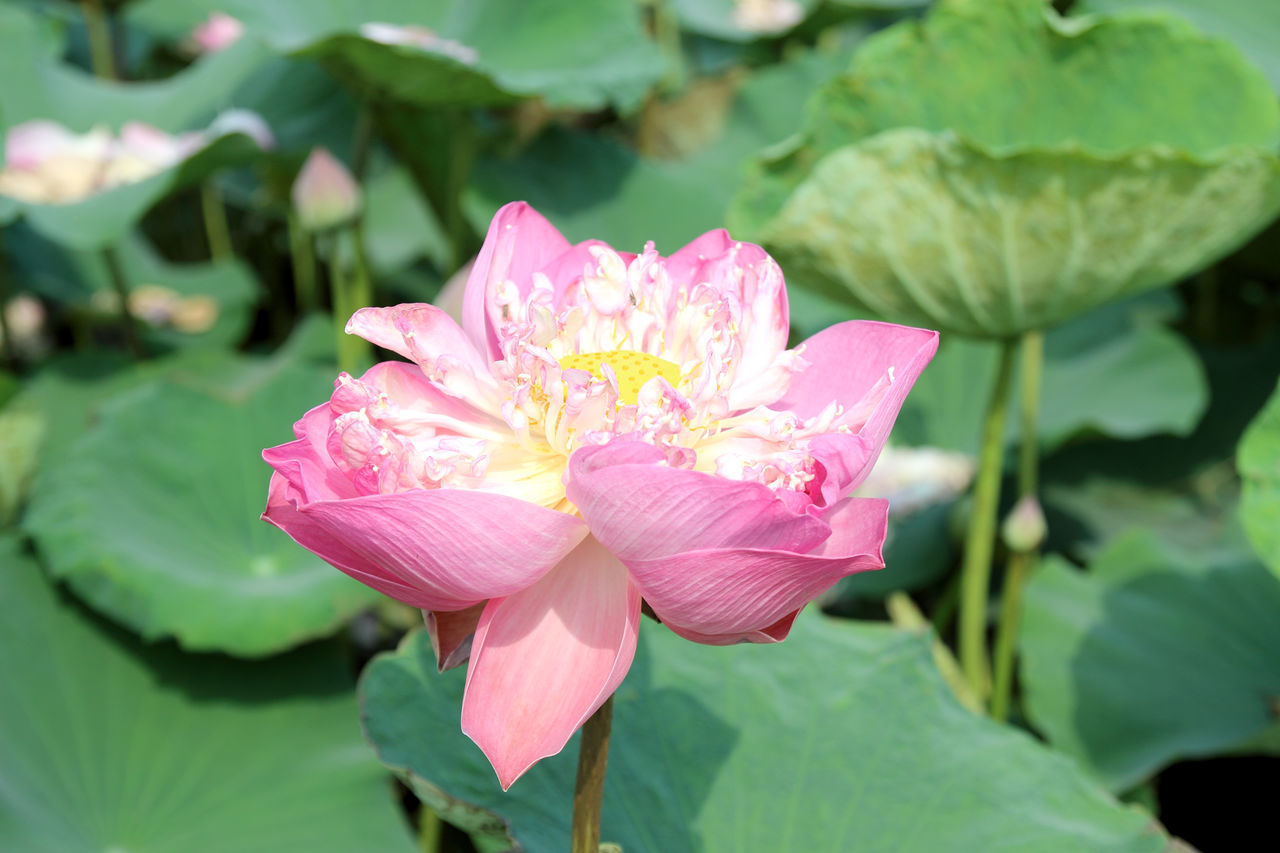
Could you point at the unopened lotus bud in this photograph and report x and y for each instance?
(325, 194)
(1024, 528)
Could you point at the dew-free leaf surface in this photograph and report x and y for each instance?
(843, 737)
(152, 513)
(110, 744)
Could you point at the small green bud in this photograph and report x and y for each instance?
(1024, 529)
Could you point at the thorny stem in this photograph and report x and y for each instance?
(975, 572)
(588, 794)
(1020, 562)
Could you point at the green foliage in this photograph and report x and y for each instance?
(1148, 657)
(1251, 25)
(175, 462)
(110, 744)
(1259, 461)
(485, 52)
(931, 196)
(745, 748)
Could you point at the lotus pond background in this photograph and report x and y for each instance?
(179, 676)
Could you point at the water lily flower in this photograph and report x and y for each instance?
(602, 429)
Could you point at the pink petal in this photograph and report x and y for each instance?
(430, 338)
(283, 513)
(305, 464)
(451, 634)
(543, 660)
(775, 633)
(868, 368)
(435, 549)
(741, 592)
(520, 242)
(455, 547)
(640, 509)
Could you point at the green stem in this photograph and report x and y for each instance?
(430, 828)
(904, 613)
(6, 333)
(303, 257)
(975, 572)
(216, 230)
(588, 794)
(352, 290)
(121, 288)
(1020, 562)
(101, 51)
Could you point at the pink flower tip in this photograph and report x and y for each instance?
(325, 194)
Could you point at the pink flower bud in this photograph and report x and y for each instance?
(1024, 528)
(325, 194)
(217, 33)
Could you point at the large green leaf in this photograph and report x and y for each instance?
(591, 187)
(1258, 459)
(152, 514)
(107, 744)
(50, 89)
(927, 194)
(585, 55)
(929, 229)
(1252, 25)
(843, 737)
(1149, 657)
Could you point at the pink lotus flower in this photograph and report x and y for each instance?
(603, 428)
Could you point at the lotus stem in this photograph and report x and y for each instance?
(101, 50)
(1021, 560)
(588, 794)
(121, 287)
(905, 614)
(303, 258)
(6, 334)
(352, 291)
(979, 545)
(430, 829)
(216, 230)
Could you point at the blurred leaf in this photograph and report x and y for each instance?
(931, 230)
(21, 431)
(744, 747)
(399, 226)
(1252, 25)
(152, 515)
(1147, 659)
(585, 56)
(1107, 508)
(592, 187)
(732, 19)
(53, 90)
(107, 744)
(1122, 373)
(990, 210)
(1258, 459)
(1141, 379)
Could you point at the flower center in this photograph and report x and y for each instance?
(633, 369)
